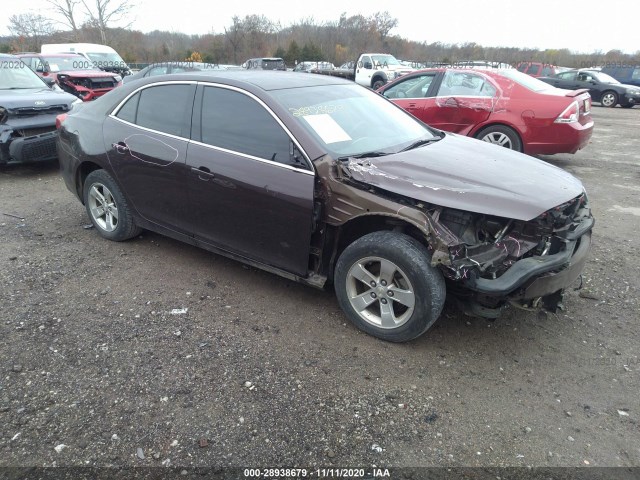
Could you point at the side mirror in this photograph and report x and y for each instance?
(368, 65)
(49, 81)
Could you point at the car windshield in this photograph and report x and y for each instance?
(15, 75)
(351, 120)
(106, 59)
(604, 78)
(525, 80)
(385, 60)
(64, 64)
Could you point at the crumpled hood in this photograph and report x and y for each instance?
(34, 97)
(472, 175)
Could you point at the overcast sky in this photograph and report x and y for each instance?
(583, 26)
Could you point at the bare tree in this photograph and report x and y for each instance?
(66, 9)
(235, 36)
(30, 28)
(383, 22)
(103, 13)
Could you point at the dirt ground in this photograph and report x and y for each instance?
(96, 370)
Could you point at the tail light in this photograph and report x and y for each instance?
(59, 119)
(570, 114)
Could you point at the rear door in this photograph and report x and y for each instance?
(463, 100)
(146, 141)
(565, 80)
(245, 193)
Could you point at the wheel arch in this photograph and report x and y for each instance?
(83, 171)
(378, 76)
(345, 234)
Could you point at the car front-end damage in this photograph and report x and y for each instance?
(496, 246)
(87, 85)
(28, 134)
(491, 262)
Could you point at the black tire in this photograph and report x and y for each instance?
(609, 99)
(376, 83)
(413, 279)
(107, 208)
(628, 105)
(501, 135)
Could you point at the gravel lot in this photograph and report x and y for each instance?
(96, 369)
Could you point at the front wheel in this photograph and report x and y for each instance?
(387, 287)
(377, 83)
(107, 208)
(609, 99)
(502, 136)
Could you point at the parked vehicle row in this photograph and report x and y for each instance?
(327, 183)
(167, 68)
(504, 107)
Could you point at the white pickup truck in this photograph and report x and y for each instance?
(371, 70)
(375, 69)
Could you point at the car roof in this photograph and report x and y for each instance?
(265, 80)
(64, 55)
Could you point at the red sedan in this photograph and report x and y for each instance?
(505, 107)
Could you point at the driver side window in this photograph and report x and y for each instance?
(414, 87)
(234, 121)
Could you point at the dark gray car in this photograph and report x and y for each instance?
(326, 182)
(28, 111)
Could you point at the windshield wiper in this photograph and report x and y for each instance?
(372, 154)
(419, 143)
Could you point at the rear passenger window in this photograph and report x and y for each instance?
(165, 108)
(129, 109)
(236, 122)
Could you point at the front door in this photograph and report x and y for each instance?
(246, 194)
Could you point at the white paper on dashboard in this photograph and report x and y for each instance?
(327, 128)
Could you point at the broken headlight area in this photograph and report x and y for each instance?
(85, 87)
(491, 262)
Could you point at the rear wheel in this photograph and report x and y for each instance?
(609, 99)
(107, 208)
(628, 105)
(501, 135)
(387, 287)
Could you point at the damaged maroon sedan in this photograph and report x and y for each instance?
(73, 74)
(328, 183)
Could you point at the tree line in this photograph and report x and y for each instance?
(339, 41)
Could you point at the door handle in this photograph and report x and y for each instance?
(121, 147)
(203, 173)
(412, 105)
